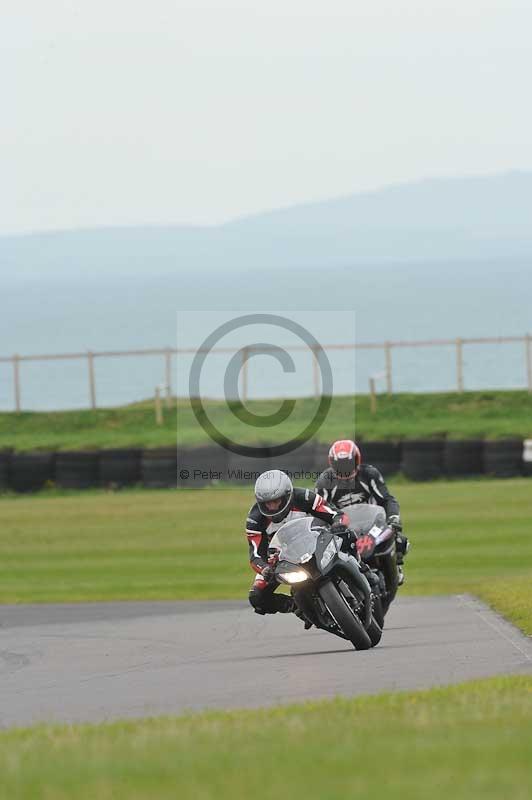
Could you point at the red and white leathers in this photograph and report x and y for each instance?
(260, 530)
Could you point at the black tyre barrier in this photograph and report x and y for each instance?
(244, 470)
(201, 466)
(527, 457)
(503, 458)
(321, 456)
(77, 469)
(463, 457)
(5, 460)
(158, 468)
(119, 467)
(300, 464)
(29, 472)
(386, 456)
(422, 459)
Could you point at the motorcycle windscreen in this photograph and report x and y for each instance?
(363, 517)
(296, 540)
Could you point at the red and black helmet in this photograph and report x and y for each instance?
(344, 458)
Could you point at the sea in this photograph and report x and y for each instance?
(286, 314)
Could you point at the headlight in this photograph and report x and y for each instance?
(294, 577)
(328, 553)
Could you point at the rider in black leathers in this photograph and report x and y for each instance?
(347, 480)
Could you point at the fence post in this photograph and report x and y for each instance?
(158, 407)
(92, 380)
(16, 380)
(315, 372)
(388, 361)
(459, 365)
(372, 396)
(168, 372)
(245, 356)
(528, 353)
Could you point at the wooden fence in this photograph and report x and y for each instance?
(168, 353)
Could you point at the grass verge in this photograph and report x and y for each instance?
(466, 741)
(467, 536)
(471, 414)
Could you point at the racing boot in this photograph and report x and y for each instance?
(403, 546)
(401, 575)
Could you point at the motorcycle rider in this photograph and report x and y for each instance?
(277, 501)
(347, 480)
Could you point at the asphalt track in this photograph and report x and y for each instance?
(99, 662)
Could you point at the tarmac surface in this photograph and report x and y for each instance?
(103, 661)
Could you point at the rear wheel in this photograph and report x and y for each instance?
(344, 616)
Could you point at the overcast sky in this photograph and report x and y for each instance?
(132, 112)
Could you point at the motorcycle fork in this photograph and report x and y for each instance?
(387, 564)
(312, 606)
(377, 583)
(356, 604)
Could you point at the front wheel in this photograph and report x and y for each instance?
(374, 631)
(344, 616)
(378, 611)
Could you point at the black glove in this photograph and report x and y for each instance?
(339, 524)
(338, 528)
(401, 542)
(394, 521)
(268, 573)
(345, 533)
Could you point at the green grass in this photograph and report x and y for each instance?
(467, 536)
(482, 414)
(466, 742)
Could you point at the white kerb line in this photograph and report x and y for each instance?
(463, 598)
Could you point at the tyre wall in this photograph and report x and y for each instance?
(119, 468)
(201, 466)
(197, 467)
(503, 458)
(158, 468)
(31, 471)
(463, 457)
(386, 456)
(422, 459)
(527, 457)
(5, 460)
(77, 469)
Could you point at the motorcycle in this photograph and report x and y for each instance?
(376, 546)
(326, 583)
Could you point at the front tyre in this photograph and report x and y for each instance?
(344, 616)
(378, 611)
(374, 631)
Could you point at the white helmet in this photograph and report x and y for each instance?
(273, 493)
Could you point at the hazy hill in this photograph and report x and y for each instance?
(435, 259)
(439, 219)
